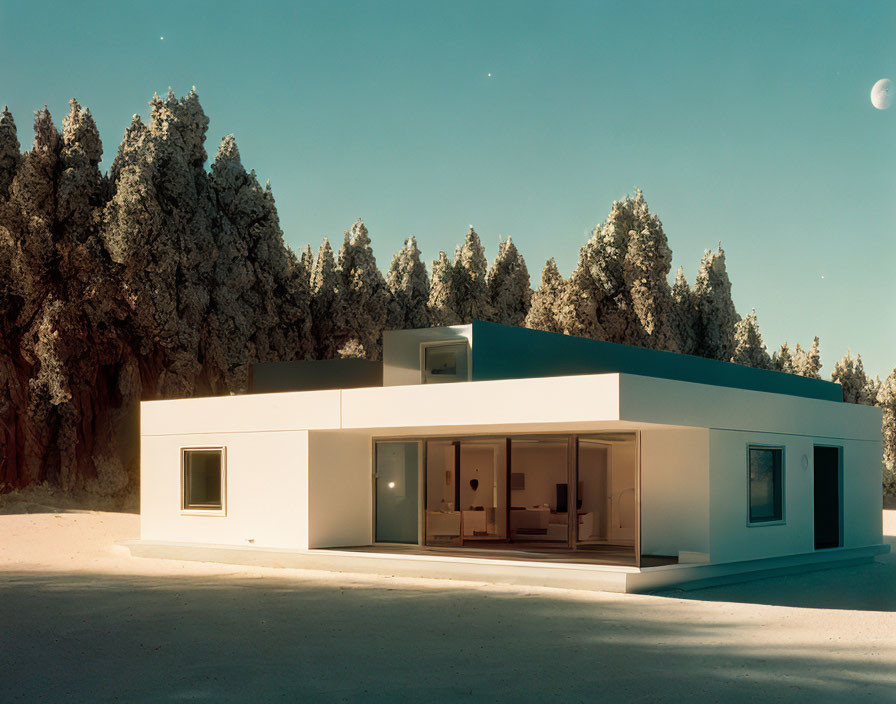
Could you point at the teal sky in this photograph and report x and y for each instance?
(748, 124)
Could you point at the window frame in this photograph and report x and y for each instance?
(426, 378)
(195, 510)
(773, 521)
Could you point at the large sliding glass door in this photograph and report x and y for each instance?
(562, 492)
(539, 491)
(466, 491)
(442, 493)
(397, 492)
(606, 487)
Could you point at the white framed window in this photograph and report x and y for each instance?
(765, 482)
(444, 362)
(203, 481)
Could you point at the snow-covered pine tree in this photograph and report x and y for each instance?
(328, 310)
(857, 387)
(308, 262)
(41, 385)
(684, 315)
(749, 349)
(807, 362)
(158, 229)
(886, 399)
(508, 285)
(408, 282)
(364, 291)
(9, 151)
(260, 307)
(648, 261)
(619, 291)
(546, 300)
(716, 313)
(443, 293)
(782, 360)
(129, 148)
(470, 280)
(95, 440)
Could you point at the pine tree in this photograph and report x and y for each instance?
(470, 273)
(544, 312)
(508, 286)
(9, 151)
(409, 285)
(716, 314)
(328, 310)
(442, 293)
(158, 229)
(648, 261)
(807, 362)
(308, 261)
(684, 315)
(886, 399)
(260, 301)
(749, 349)
(363, 291)
(40, 384)
(129, 149)
(619, 290)
(857, 387)
(782, 360)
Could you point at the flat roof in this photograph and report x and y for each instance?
(508, 352)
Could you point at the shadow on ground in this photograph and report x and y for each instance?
(97, 637)
(869, 587)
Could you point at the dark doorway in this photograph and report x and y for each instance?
(827, 497)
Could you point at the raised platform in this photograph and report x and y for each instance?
(525, 570)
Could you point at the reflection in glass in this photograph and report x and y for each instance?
(607, 475)
(765, 484)
(396, 492)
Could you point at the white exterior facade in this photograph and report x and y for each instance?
(299, 466)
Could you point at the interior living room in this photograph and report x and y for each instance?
(531, 493)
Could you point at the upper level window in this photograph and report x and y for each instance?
(203, 479)
(766, 467)
(443, 362)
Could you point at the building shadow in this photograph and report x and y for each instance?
(868, 587)
(96, 637)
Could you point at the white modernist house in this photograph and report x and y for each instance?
(489, 452)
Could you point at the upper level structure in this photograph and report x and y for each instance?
(484, 351)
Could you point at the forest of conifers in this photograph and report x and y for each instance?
(160, 279)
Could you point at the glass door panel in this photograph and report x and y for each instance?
(442, 513)
(539, 491)
(482, 480)
(607, 471)
(397, 494)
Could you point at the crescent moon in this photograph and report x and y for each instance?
(882, 94)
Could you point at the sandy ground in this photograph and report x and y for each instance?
(81, 621)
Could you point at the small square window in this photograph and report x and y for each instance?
(444, 362)
(766, 484)
(203, 479)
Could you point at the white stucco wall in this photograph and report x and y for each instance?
(648, 400)
(266, 490)
(340, 489)
(465, 406)
(731, 538)
(675, 491)
(693, 487)
(401, 351)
